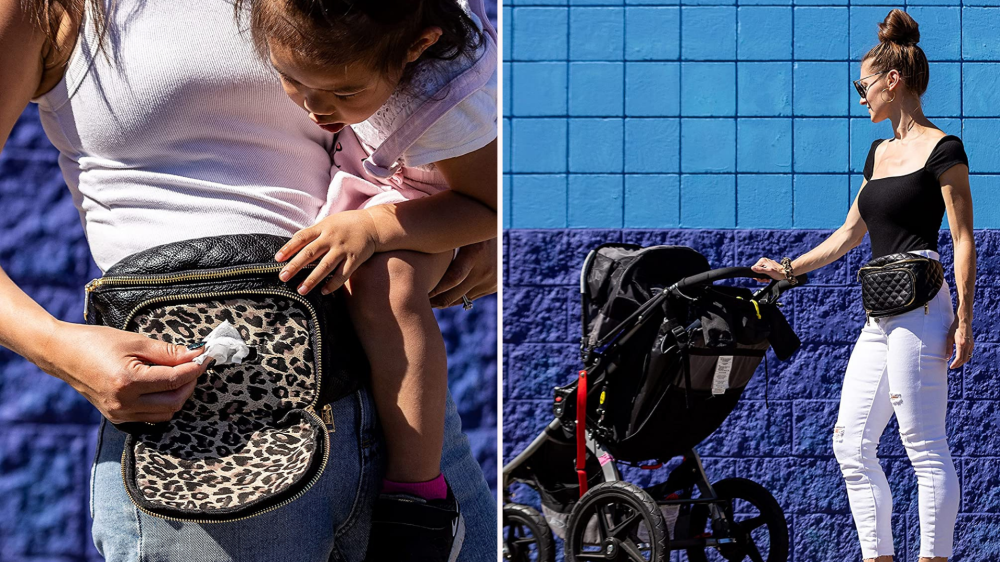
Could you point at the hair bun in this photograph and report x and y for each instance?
(900, 28)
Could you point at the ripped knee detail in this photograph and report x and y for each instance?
(896, 399)
(838, 434)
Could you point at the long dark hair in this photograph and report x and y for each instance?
(42, 14)
(377, 32)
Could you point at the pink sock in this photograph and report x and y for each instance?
(435, 489)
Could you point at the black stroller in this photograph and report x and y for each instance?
(666, 355)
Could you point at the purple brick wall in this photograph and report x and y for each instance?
(787, 445)
(47, 429)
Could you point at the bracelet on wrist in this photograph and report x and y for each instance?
(786, 264)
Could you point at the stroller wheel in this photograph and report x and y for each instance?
(616, 521)
(760, 529)
(527, 537)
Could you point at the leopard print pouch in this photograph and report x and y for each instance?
(252, 437)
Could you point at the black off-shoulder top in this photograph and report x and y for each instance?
(904, 213)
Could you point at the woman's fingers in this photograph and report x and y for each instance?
(162, 378)
(448, 298)
(458, 270)
(168, 402)
(963, 352)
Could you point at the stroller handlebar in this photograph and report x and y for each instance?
(774, 288)
(716, 275)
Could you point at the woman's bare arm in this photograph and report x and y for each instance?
(958, 204)
(23, 323)
(849, 235)
(121, 373)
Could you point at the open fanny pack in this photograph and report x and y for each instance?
(254, 436)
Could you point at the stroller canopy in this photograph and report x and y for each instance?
(617, 279)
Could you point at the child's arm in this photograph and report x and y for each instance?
(463, 215)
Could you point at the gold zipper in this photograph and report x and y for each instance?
(327, 416)
(860, 269)
(95, 284)
(311, 408)
(310, 484)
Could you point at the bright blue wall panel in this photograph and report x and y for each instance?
(724, 87)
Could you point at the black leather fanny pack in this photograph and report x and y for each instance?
(253, 436)
(898, 283)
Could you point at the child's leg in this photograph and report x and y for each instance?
(409, 367)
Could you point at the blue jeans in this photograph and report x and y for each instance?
(329, 522)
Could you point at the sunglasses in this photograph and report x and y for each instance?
(861, 88)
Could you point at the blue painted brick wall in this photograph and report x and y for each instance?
(47, 430)
(741, 137)
(785, 445)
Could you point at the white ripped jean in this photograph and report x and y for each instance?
(899, 365)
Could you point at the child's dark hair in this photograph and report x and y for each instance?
(378, 32)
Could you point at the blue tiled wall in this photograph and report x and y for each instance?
(731, 126)
(718, 88)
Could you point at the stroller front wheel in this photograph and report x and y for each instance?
(758, 523)
(616, 521)
(527, 537)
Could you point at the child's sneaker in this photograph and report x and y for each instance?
(406, 527)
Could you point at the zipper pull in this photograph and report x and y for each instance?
(89, 288)
(327, 415)
(925, 307)
(867, 318)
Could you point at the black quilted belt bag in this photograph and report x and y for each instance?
(252, 437)
(899, 283)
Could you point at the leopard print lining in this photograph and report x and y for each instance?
(227, 446)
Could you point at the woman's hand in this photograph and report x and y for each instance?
(473, 273)
(768, 267)
(342, 242)
(127, 376)
(959, 339)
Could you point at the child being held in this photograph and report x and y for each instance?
(409, 89)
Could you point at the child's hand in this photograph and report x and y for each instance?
(342, 241)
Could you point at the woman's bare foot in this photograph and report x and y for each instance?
(881, 559)
(935, 559)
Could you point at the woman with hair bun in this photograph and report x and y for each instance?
(900, 362)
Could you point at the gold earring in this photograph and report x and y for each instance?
(883, 99)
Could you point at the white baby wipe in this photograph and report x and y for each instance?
(225, 345)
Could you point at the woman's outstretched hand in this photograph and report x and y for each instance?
(127, 376)
(473, 273)
(768, 267)
(960, 340)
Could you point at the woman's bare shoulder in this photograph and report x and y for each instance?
(58, 48)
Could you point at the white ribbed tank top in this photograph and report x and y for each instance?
(184, 133)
